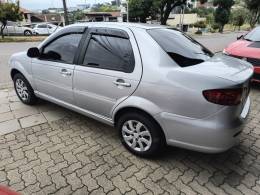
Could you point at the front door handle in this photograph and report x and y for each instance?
(65, 72)
(121, 82)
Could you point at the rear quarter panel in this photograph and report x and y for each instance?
(169, 88)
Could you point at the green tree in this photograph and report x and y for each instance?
(103, 8)
(144, 8)
(222, 13)
(239, 17)
(254, 8)
(139, 10)
(202, 11)
(200, 25)
(9, 12)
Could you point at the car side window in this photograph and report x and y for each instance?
(62, 49)
(42, 26)
(110, 52)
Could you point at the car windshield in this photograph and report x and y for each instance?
(184, 50)
(254, 35)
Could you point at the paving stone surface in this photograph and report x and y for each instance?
(61, 152)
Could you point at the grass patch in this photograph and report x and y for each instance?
(11, 39)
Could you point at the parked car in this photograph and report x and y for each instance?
(155, 84)
(16, 29)
(247, 47)
(45, 29)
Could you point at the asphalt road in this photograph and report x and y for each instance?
(216, 42)
(6, 50)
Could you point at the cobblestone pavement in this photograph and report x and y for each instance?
(77, 155)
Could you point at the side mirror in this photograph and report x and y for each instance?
(33, 52)
(240, 37)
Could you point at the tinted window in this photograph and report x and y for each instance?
(62, 49)
(184, 50)
(42, 26)
(254, 35)
(111, 53)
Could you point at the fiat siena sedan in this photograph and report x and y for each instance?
(155, 84)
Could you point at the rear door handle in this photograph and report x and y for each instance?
(121, 82)
(65, 72)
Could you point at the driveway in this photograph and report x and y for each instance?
(46, 149)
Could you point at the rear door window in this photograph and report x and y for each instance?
(110, 52)
(184, 50)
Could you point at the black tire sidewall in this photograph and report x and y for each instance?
(32, 98)
(30, 33)
(152, 127)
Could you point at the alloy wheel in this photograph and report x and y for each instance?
(136, 135)
(22, 89)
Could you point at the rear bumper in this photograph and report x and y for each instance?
(208, 135)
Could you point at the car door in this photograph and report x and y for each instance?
(53, 71)
(9, 30)
(42, 29)
(109, 72)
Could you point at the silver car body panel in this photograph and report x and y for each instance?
(169, 93)
(94, 88)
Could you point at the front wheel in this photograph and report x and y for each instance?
(140, 134)
(24, 90)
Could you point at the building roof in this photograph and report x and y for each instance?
(25, 11)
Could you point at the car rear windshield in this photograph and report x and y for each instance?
(184, 50)
(254, 35)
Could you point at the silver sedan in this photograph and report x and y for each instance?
(155, 84)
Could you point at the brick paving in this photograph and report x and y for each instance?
(61, 152)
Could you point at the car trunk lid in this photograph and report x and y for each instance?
(224, 67)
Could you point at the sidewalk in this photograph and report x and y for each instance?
(46, 149)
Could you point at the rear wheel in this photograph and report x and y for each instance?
(24, 90)
(140, 134)
(27, 33)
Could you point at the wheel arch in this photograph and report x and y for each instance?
(129, 109)
(14, 71)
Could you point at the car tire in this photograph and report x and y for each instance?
(27, 33)
(24, 90)
(146, 142)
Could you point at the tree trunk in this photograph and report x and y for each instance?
(254, 19)
(221, 28)
(165, 15)
(165, 12)
(2, 31)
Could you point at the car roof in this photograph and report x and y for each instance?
(119, 24)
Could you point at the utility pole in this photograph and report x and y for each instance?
(65, 12)
(127, 5)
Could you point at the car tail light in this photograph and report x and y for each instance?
(226, 97)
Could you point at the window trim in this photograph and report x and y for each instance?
(61, 33)
(104, 32)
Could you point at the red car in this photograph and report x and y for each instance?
(247, 47)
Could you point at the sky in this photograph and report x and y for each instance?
(43, 4)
